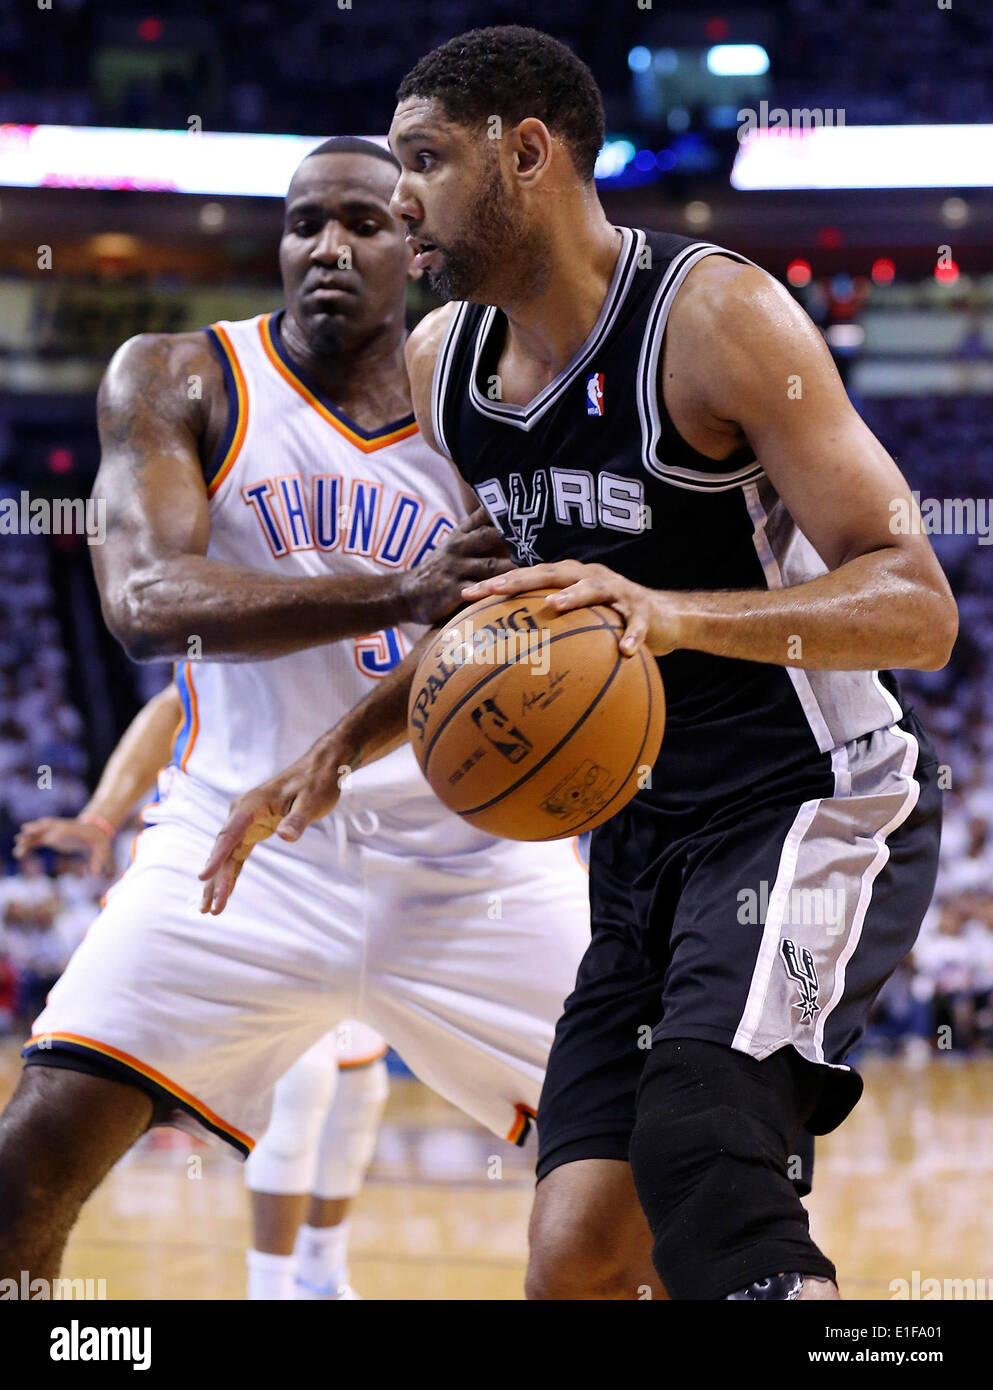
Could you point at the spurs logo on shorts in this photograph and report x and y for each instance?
(800, 967)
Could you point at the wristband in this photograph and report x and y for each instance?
(101, 823)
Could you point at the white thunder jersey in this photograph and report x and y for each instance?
(297, 489)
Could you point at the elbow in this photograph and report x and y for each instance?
(938, 631)
(131, 617)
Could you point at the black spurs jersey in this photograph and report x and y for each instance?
(593, 469)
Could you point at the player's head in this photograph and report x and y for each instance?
(493, 130)
(342, 255)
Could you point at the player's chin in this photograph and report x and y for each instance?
(329, 330)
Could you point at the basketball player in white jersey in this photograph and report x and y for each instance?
(277, 526)
(312, 1160)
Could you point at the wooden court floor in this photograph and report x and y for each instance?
(905, 1185)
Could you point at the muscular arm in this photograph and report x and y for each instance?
(158, 586)
(885, 600)
(737, 343)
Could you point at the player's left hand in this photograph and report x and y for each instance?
(650, 615)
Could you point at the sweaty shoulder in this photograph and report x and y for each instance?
(732, 321)
(421, 352)
(171, 379)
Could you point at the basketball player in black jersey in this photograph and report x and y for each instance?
(654, 424)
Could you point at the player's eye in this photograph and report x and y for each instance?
(423, 161)
(367, 227)
(304, 227)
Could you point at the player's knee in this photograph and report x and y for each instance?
(284, 1159)
(578, 1256)
(709, 1157)
(348, 1138)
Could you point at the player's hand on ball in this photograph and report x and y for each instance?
(283, 806)
(69, 836)
(474, 550)
(650, 615)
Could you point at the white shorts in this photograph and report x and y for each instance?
(459, 949)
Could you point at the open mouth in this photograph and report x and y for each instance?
(423, 251)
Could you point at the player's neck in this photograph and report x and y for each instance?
(366, 381)
(549, 326)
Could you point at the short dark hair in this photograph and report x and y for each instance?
(354, 144)
(512, 72)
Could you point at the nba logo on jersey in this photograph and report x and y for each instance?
(594, 393)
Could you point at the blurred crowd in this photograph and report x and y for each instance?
(81, 63)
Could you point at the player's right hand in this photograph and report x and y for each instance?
(68, 836)
(475, 550)
(283, 806)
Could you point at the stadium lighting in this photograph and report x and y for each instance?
(737, 60)
(639, 59)
(799, 152)
(218, 163)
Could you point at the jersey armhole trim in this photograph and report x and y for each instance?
(236, 391)
(648, 390)
(439, 380)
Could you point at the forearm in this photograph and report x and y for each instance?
(245, 614)
(871, 612)
(378, 724)
(131, 769)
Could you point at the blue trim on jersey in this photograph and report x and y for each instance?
(211, 469)
(183, 732)
(315, 390)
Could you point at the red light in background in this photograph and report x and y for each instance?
(883, 271)
(61, 461)
(798, 273)
(830, 238)
(716, 29)
(946, 274)
(150, 30)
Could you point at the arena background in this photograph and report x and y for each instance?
(876, 207)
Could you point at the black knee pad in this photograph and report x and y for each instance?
(710, 1156)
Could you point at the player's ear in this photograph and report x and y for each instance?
(531, 149)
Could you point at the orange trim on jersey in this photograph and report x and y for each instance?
(234, 448)
(368, 446)
(194, 719)
(363, 1061)
(524, 1113)
(125, 1057)
(575, 849)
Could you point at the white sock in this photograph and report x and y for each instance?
(271, 1277)
(322, 1255)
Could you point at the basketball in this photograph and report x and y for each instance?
(531, 724)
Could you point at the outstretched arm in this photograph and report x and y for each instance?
(309, 788)
(130, 772)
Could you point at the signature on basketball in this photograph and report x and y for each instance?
(543, 698)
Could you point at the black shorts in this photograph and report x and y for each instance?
(759, 927)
